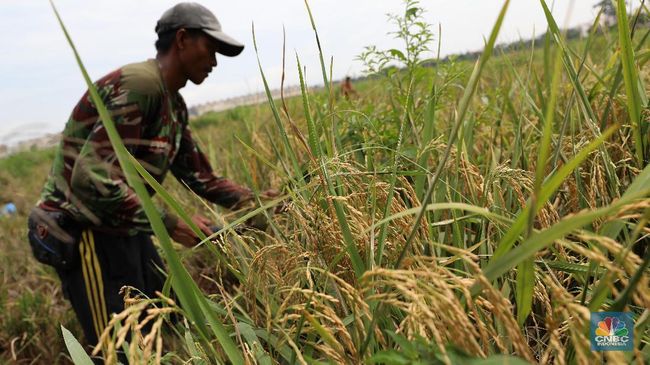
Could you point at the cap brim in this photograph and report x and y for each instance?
(229, 46)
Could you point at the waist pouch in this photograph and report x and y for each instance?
(54, 238)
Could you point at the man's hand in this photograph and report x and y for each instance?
(270, 194)
(184, 235)
(249, 200)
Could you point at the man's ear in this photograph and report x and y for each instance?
(181, 38)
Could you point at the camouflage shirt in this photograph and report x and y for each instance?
(86, 181)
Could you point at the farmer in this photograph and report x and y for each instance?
(89, 223)
(346, 88)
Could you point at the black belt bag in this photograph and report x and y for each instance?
(54, 238)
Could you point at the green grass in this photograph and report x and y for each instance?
(473, 209)
(22, 164)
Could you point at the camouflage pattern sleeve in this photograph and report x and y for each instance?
(97, 179)
(86, 180)
(191, 167)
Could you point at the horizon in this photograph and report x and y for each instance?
(58, 86)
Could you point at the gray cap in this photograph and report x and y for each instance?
(197, 16)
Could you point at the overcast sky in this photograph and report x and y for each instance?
(40, 82)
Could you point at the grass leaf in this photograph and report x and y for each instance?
(77, 353)
(631, 78)
(190, 296)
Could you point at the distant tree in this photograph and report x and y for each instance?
(573, 33)
(609, 11)
(644, 19)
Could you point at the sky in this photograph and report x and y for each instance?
(40, 82)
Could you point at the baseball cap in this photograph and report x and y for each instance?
(191, 15)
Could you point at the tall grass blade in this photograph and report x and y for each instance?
(641, 182)
(427, 136)
(193, 349)
(526, 270)
(254, 342)
(525, 288)
(176, 207)
(463, 107)
(77, 353)
(313, 135)
(462, 110)
(429, 122)
(493, 217)
(621, 302)
(631, 78)
(351, 247)
(326, 84)
(585, 104)
(276, 117)
(548, 189)
(189, 294)
(393, 177)
(612, 230)
(544, 238)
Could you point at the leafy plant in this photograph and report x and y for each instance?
(413, 31)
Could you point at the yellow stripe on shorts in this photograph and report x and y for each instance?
(89, 281)
(102, 315)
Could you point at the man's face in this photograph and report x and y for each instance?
(198, 56)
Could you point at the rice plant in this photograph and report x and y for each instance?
(456, 211)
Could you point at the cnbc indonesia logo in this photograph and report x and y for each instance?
(611, 331)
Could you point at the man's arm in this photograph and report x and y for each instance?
(191, 167)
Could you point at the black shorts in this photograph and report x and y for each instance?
(106, 264)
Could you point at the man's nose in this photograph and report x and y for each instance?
(213, 60)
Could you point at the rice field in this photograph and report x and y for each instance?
(451, 211)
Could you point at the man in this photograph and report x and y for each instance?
(346, 88)
(89, 223)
